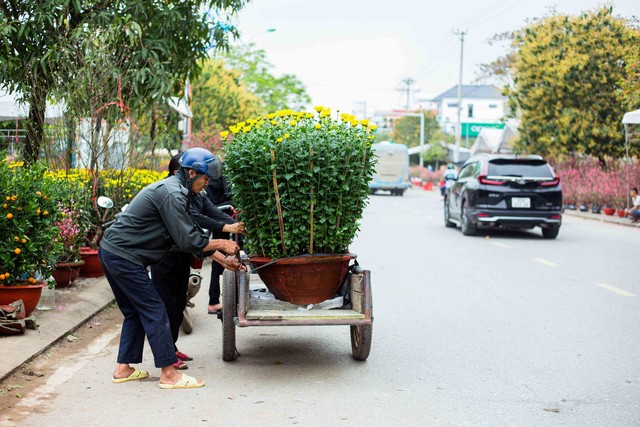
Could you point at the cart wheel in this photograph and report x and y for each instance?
(187, 323)
(361, 341)
(229, 310)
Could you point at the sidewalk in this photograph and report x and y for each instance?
(74, 306)
(612, 219)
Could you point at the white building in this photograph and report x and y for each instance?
(482, 106)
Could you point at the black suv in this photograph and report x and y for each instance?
(508, 191)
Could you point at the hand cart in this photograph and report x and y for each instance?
(241, 308)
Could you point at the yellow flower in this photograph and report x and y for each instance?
(233, 129)
(271, 116)
(325, 112)
(246, 129)
(224, 134)
(274, 122)
(354, 123)
(372, 126)
(318, 108)
(309, 115)
(286, 136)
(279, 139)
(240, 125)
(293, 123)
(281, 113)
(318, 126)
(364, 122)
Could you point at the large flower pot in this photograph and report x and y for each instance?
(608, 211)
(620, 213)
(29, 294)
(305, 279)
(66, 273)
(92, 266)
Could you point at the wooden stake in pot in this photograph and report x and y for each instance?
(278, 206)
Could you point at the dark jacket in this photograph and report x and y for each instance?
(219, 191)
(156, 219)
(207, 215)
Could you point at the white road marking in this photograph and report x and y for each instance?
(615, 290)
(546, 262)
(501, 245)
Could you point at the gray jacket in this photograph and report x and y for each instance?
(156, 219)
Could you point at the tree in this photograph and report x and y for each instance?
(276, 93)
(435, 153)
(406, 130)
(37, 38)
(567, 73)
(631, 84)
(220, 99)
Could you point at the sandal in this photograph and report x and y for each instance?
(184, 382)
(180, 355)
(214, 310)
(180, 365)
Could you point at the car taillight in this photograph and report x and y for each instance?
(482, 179)
(555, 217)
(552, 183)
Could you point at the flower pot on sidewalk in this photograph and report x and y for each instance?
(66, 273)
(608, 211)
(29, 294)
(620, 213)
(92, 266)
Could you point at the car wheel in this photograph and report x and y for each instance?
(447, 217)
(465, 222)
(550, 233)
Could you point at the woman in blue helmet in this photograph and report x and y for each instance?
(157, 221)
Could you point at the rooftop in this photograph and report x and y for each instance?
(472, 91)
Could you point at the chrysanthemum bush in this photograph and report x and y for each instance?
(300, 180)
(585, 180)
(28, 217)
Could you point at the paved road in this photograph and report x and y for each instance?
(498, 329)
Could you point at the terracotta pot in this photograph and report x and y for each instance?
(29, 294)
(620, 213)
(608, 211)
(92, 266)
(66, 273)
(306, 279)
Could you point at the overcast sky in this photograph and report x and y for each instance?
(348, 53)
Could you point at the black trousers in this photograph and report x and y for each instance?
(171, 279)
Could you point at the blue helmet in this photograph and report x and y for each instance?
(202, 161)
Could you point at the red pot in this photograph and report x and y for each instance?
(29, 294)
(66, 273)
(620, 213)
(307, 279)
(92, 266)
(608, 211)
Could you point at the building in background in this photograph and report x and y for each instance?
(482, 107)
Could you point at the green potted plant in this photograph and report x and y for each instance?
(28, 231)
(300, 181)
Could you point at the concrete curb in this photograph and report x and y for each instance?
(610, 219)
(74, 306)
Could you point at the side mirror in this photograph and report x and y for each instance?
(105, 202)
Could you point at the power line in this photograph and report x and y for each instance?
(408, 82)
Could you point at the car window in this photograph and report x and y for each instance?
(519, 168)
(467, 170)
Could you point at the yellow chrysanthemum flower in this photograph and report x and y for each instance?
(246, 129)
(364, 122)
(279, 139)
(318, 126)
(293, 123)
(286, 136)
(233, 129)
(373, 126)
(318, 108)
(274, 122)
(271, 116)
(224, 134)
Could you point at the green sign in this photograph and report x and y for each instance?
(473, 129)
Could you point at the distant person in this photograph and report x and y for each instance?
(634, 211)
(448, 178)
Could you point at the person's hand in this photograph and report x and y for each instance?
(229, 247)
(230, 263)
(237, 228)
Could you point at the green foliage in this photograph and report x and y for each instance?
(406, 130)
(220, 99)
(322, 168)
(435, 153)
(153, 47)
(567, 74)
(28, 216)
(276, 93)
(630, 86)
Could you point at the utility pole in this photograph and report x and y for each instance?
(407, 82)
(456, 153)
